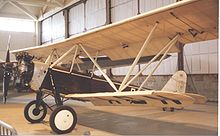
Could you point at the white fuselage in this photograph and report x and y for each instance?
(40, 71)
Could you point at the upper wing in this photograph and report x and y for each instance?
(197, 20)
(150, 98)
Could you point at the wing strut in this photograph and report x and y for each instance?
(74, 58)
(93, 68)
(165, 48)
(138, 56)
(77, 64)
(161, 59)
(63, 56)
(99, 68)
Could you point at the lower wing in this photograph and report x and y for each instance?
(149, 98)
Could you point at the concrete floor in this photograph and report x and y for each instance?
(118, 120)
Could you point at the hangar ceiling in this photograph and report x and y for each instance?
(29, 9)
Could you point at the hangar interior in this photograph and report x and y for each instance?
(38, 22)
(61, 19)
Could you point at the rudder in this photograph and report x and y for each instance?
(177, 83)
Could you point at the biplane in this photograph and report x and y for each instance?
(65, 69)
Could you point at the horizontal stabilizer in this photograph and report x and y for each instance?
(199, 99)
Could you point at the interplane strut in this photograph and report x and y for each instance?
(138, 56)
(161, 59)
(62, 57)
(73, 60)
(151, 61)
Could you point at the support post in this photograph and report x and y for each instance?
(108, 12)
(38, 32)
(63, 56)
(48, 60)
(151, 61)
(77, 64)
(138, 5)
(39, 99)
(109, 72)
(138, 56)
(99, 68)
(180, 57)
(66, 21)
(74, 58)
(56, 90)
(161, 59)
(93, 68)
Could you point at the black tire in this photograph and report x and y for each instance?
(65, 115)
(34, 115)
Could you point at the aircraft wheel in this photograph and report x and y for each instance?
(33, 114)
(63, 120)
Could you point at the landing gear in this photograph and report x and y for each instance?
(170, 109)
(35, 112)
(63, 120)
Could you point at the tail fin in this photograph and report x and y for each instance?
(177, 83)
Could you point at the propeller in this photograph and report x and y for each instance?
(7, 72)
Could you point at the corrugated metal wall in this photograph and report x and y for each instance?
(95, 13)
(200, 58)
(86, 16)
(46, 30)
(122, 9)
(76, 19)
(147, 5)
(58, 27)
(53, 28)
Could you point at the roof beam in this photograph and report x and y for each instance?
(58, 3)
(44, 8)
(3, 3)
(37, 3)
(20, 7)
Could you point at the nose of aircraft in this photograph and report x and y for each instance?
(25, 70)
